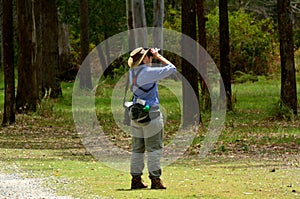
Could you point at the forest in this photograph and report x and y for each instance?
(60, 59)
(246, 41)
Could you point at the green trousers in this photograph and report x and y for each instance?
(147, 138)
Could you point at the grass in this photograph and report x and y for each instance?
(84, 178)
(257, 155)
(255, 121)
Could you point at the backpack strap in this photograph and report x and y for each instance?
(134, 81)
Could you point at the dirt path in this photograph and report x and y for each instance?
(12, 186)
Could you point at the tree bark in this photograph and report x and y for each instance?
(158, 19)
(224, 51)
(38, 62)
(288, 74)
(206, 103)
(64, 50)
(130, 25)
(26, 98)
(50, 59)
(8, 62)
(189, 50)
(85, 71)
(139, 21)
(201, 23)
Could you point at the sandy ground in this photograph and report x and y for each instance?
(13, 186)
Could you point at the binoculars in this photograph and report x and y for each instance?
(150, 54)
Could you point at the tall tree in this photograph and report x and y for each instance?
(50, 56)
(8, 62)
(201, 20)
(288, 74)
(39, 47)
(130, 26)
(85, 71)
(189, 50)
(139, 21)
(66, 70)
(201, 23)
(224, 50)
(26, 98)
(158, 19)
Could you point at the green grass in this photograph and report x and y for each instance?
(254, 126)
(83, 177)
(256, 156)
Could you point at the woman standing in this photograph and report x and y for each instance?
(147, 132)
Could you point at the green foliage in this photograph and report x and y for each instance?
(284, 112)
(106, 18)
(297, 38)
(241, 77)
(251, 42)
(297, 60)
(119, 71)
(172, 19)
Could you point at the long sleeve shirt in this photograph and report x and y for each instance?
(148, 78)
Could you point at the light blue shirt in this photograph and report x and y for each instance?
(146, 78)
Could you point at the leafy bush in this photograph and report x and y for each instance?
(252, 42)
(240, 77)
(297, 38)
(172, 19)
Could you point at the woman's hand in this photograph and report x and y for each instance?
(155, 53)
(158, 56)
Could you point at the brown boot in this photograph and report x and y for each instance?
(137, 183)
(156, 183)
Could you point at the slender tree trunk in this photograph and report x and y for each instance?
(64, 49)
(85, 71)
(139, 21)
(189, 50)
(109, 70)
(8, 62)
(130, 26)
(26, 98)
(39, 47)
(50, 59)
(201, 23)
(158, 19)
(288, 74)
(224, 50)
(206, 103)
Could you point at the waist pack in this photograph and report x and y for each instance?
(137, 113)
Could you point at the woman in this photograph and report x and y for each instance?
(147, 133)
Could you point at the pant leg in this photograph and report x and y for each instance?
(138, 152)
(154, 146)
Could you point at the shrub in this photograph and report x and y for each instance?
(252, 42)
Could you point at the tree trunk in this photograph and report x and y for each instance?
(190, 103)
(130, 26)
(64, 49)
(26, 98)
(8, 62)
(288, 74)
(224, 51)
(50, 61)
(1, 30)
(158, 19)
(85, 71)
(206, 103)
(39, 47)
(201, 23)
(139, 21)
